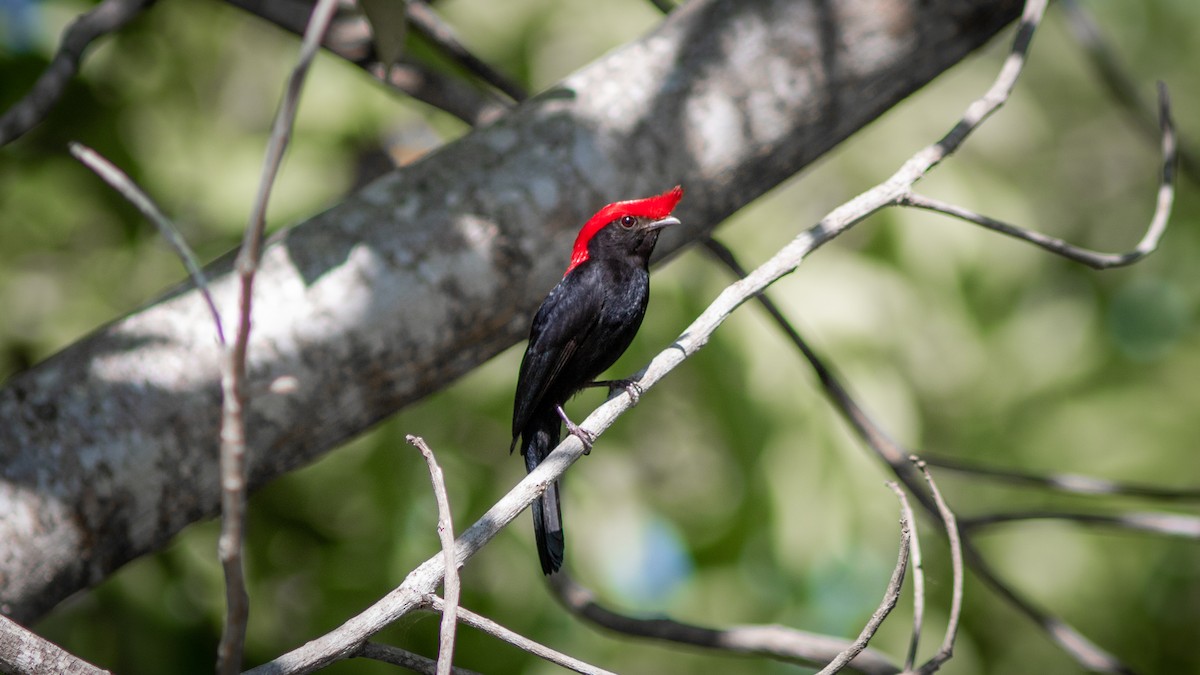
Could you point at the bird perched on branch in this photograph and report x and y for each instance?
(584, 324)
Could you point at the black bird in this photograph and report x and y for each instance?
(584, 324)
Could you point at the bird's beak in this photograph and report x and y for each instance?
(660, 224)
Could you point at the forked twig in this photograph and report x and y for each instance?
(445, 528)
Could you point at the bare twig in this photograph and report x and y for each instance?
(891, 594)
(1065, 482)
(494, 629)
(124, 185)
(777, 642)
(107, 17)
(1106, 61)
(23, 652)
(445, 530)
(431, 26)
(950, 524)
(1096, 260)
(918, 576)
(233, 378)
(405, 659)
(1170, 524)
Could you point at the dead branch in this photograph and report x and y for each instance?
(445, 528)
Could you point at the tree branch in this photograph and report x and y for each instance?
(781, 643)
(499, 632)
(445, 528)
(22, 652)
(436, 267)
(350, 38)
(107, 17)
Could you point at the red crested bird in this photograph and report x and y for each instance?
(584, 324)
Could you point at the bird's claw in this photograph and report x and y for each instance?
(634, 390)
(586, 437)
(630, 387)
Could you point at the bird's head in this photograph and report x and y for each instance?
(628, 228)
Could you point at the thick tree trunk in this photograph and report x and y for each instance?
(109, 448)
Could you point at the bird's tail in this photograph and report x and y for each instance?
(540, 437)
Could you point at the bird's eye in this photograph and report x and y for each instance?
(628, 221)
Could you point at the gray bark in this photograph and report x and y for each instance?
(109, 448)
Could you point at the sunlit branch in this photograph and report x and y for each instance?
(445, 529)
(499, 632)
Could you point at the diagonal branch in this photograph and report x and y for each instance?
(1169, 524)
(494, 629)
(350, 38)
(430, 25)
(1066, 482)
(1106, 62)
(125, 186)
(107, 17)
(776, 642)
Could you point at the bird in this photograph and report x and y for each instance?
(582, 327)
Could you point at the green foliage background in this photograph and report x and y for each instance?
(755, 503)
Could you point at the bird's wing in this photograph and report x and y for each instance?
(558, 330)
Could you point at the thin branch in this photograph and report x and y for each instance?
(445, 530)
(405, 659)
(430, 25)
(233, 378)
(1066, 482)
(23, 652)
(891, 594)
(350, 38)
(125, 186)
(497, 631)
(1093, 259)
(664, 6)
(1170, 524)
(107, 17)
(918, 575)
(950, 524)
(1106, 61)
(776, 642)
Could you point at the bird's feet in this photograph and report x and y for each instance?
(586, 437)
(630, 386)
